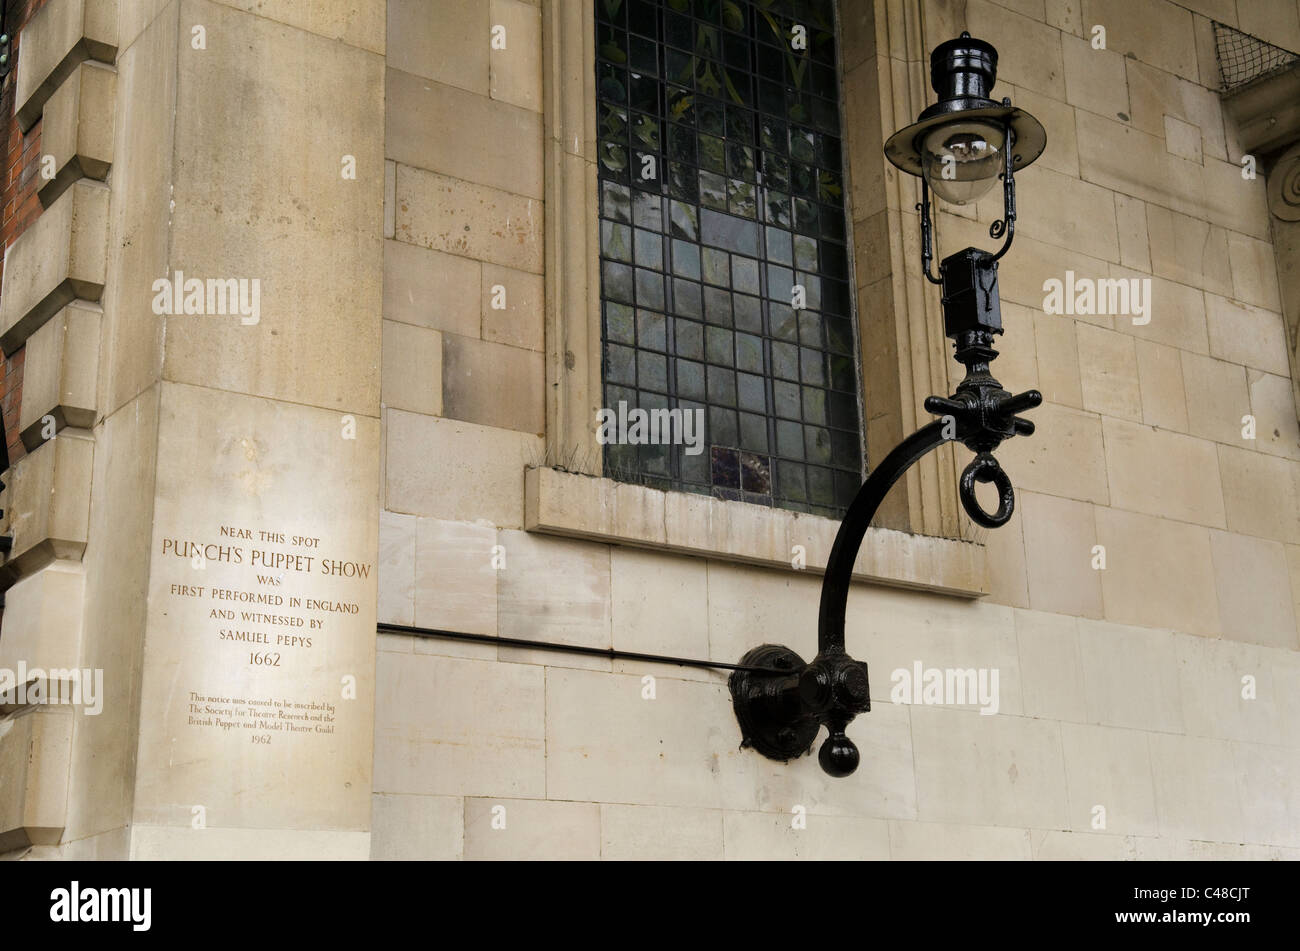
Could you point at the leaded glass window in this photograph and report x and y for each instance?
(724, 269)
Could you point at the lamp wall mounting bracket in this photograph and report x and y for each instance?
(780, 711)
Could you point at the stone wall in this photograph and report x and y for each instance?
(422, 369)
(1121, 686)
(205, 138)
(20, 204)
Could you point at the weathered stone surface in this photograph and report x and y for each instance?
(77, 131)
(61, 374)
(320, 305)
(43, 619)
(474, 221)
(581, 506)
(61, 257)
(34, 781)
(59, 37)
(276, 483)
(50, 496)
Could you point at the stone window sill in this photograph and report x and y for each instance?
(583, 506)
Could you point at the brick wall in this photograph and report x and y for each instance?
(18, 201)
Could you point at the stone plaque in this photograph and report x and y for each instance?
(257, 700)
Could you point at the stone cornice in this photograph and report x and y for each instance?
(1267, 111)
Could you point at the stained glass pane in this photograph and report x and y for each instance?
(725, 274)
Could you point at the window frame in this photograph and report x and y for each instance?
(781, 387)
(903, 353)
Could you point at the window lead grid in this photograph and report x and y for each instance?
(700, 259)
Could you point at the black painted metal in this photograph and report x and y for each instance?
(780, 711)
(962, 73)
(775, 716)
(572, 648)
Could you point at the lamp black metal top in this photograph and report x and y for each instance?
(959, 147)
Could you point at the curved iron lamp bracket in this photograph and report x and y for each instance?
(781, 708)
(780, 713)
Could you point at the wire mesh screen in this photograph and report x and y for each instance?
(1244, 58)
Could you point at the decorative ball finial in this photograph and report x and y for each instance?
(839, 755)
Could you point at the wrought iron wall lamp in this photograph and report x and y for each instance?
(959, 147)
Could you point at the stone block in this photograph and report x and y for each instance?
(1261, 494)
(515, 72)
(1253, 586)
(60, 257)
(1037, 61)
(1183, 486)
(943, 841)
(970, 768)
(457, 133)
(1158, 96)
(320, 305)
(1083, 219)
(1249, 335)
(1159, 33)
(520, 320)
(412, 368)
(431, 289)
(659, 605)
(532, 830)
(450, 45)
(659, 833)
(1051, 677)
(1143, 585)
(448, 469)
(1130, 677)
(78, 128)
(397, 570)
(1060, 535)
(1109, 768)
(61, 374)
(43, 619)
(1269, 786)
(1160, 374)
(493, 385)
(34, 781)
(1254, 271)
(758, 836)
(1064, 457)
(1188, 250)
(59, 37)
(1196, 788)
(1109, 372)
(557, 590)
(453, 727)
(1212, 676)
(416, 828)
(1094, 79)
(1057, 345)
(474, 221)
(1274, 20)
(1217, 398)
(455, 578)
(1272, 401)
(1134, 237)
(50, 501)
(359, 24)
